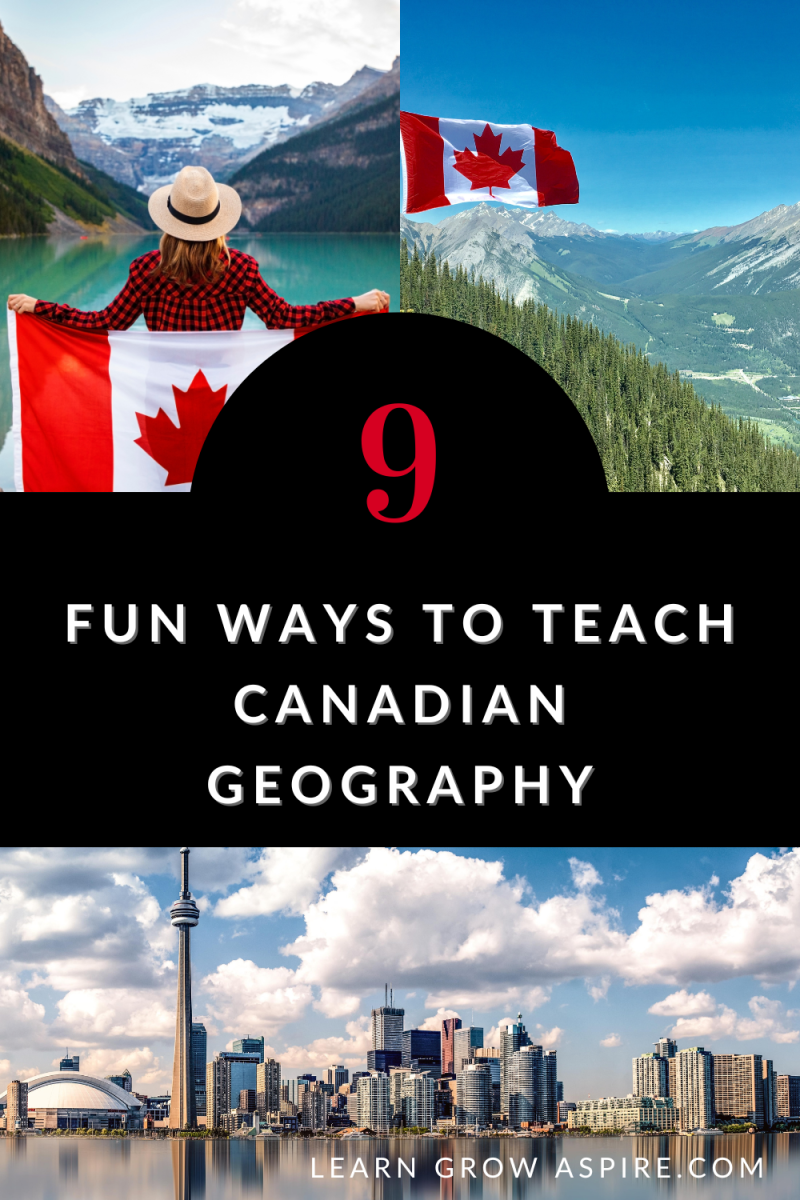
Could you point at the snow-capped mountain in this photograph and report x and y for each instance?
(145, 141)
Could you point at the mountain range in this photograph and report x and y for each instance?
(720, 305)
(145, 141)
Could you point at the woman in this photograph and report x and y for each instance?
(194, 282)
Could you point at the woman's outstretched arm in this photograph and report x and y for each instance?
(279, 314)
(120, 313)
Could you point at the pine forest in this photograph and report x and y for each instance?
(653, 432)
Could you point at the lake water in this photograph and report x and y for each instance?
(303, 268)
(51, 1168)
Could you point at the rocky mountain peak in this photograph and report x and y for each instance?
(23, 115)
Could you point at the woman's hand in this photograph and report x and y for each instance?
(373, 301)
(22, 304)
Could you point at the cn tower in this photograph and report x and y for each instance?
(185, 914)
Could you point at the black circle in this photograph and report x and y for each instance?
(509, 442)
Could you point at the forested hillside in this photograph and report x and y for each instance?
(653, 432)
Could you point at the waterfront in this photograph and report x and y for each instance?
(80, 1168)
(303, 268)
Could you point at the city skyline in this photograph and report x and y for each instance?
(113, 1008)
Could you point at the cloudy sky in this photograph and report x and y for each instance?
(602, 950)
(93, 48)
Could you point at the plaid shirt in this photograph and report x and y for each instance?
(220, 305)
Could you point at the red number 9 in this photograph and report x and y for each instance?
(424, 464)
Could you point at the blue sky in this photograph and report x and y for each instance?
(603, 950)
(677, 118)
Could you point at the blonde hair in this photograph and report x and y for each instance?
(192, 262)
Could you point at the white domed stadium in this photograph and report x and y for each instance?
(72, 1100)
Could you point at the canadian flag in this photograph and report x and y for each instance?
(449, 161)
(121, 411)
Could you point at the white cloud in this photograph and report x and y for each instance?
(612, 1040)
(584, 875)
(150, 1072)
(286, 879)
(549, 1039)
(240, 995)
(684, 1003)
(768, 1019)
(350, 1051)
(599, 991)
(115, 1016)
(434, 1021)
(21, 1018)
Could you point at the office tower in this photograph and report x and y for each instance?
(249, 1045)
(17, 1106)
(465, 1042)
(122, 1080)
(247, 1100)
(559, 1091)
(70, 1064)
(739, 1088)
(770, 1081)
(523, 1085)
(787, 1096)
(185, 914)
(422, 1049)
(387, 1027)
(474, 1095)
(199, 1056)
(548, 1088)
(449, 1027)
(226, 1077)
(268, 1086)
(666, 1047)
(488, 1056)
(650, 1075)
(396, 1077)
(337, 1075)
(314, 1107)
(511, 1039)
(374, 1101)
(383, 1060)
(418, 1088)
(694, 1088)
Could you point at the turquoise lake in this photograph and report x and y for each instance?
(303, 268)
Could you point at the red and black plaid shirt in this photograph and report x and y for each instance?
(220, 305)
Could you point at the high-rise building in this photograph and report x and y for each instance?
(249, 1045)
(650, 1075)
(449, 1027)
(511, 1039)
(17, 1106)
(185, 914)
(739, 1088)
(666, 1047)
(694, 1088)
(396, 1077)
(387, 1027)
(488, 1056)
(226, 1077)
(199, 1056)
(417, 1090)
(465, 1042)
(337, 1075)
(787, 1096)
(268, 1086)
(384, 1060)
(770, 1080)
(70, 1064)
(523, 1085)
(374, 1101)
(422, 1049)
(548, 1087)
(122, 1080)
(559, 1091)
(474, 1095)
(565, 1107)
(314, 1109)
(247, 1100)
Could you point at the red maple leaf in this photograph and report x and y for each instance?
(487, 167)
(177, 447)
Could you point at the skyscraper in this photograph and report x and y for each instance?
(548, 1087)
(511, 1039)
(249, 1045)
(70, 1064)
(650, 1075)
(374, 1101)
(422, 1049)
(465, 1043)
(474, 1095)
(739, 1088)
(268, 1086)
(770, 1080)
(523, 1085)
(17, 1106)
(226, 1077)
(387, 1027)
(666, 1047)
(694, 1088)
(337, 1075)
(449, 1027)
(787, 1096)
(417, 1090)
(185, 914)
(199, 1056)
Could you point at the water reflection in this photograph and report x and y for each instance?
(41, 1168)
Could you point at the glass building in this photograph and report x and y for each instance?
(465, 1042)
(199, 1056)
(474, 1095)
(249, 1045)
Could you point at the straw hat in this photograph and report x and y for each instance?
(194, 207)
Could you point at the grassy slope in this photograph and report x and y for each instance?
(320, 197)
(126, 200)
